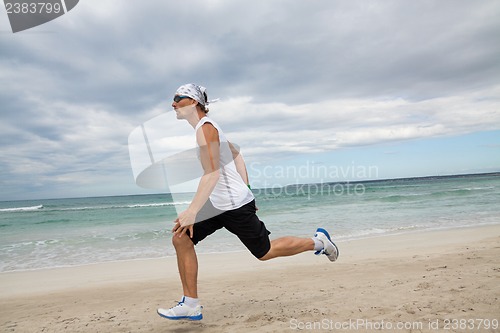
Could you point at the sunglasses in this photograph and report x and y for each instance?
(178, 98)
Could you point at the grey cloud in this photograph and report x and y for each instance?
(126, 62)
(273, 52)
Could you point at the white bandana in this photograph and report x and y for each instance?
(196, 92)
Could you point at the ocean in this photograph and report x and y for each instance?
(38, 234)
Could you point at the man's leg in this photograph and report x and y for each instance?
(288, 246)
(188, 307)
(188, 265)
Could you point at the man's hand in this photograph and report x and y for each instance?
(183, 223)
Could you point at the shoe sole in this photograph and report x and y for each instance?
(323, 231)
(194, 318)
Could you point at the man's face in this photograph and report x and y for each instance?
(183, 106)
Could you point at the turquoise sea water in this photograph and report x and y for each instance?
(65, 232)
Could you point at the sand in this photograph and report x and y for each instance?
(438, 281)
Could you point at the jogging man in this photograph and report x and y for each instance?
(223, 199)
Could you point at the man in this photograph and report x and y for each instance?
(223, 199)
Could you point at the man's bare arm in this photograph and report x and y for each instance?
(240, 163)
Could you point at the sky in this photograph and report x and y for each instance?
(321, 90)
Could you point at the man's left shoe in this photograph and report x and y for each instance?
(182, 311)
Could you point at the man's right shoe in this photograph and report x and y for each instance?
(182, 311)
(329, 247)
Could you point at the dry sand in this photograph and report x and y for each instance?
(439, 281)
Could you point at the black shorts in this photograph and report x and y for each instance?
(243, 222)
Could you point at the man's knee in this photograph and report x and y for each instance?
(182, 242)
(266, 256)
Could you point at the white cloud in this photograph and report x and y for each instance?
(271, 128)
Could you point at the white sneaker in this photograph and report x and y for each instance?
(182, 311)
(329, 247)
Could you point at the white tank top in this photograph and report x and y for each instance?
(231, 192)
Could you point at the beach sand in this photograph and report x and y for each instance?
(426, 280)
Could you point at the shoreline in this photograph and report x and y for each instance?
(428, 275)
(341, 240)
(152, 267)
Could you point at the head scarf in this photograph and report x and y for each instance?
(196, 92)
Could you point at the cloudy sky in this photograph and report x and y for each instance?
(311, 90)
